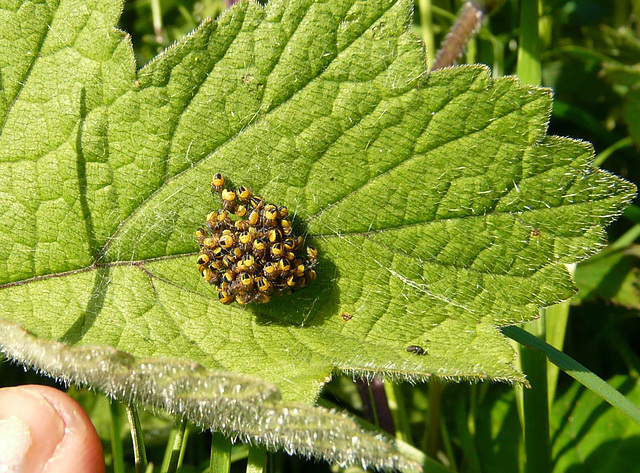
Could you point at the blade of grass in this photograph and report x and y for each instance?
(625, 239)
(632, 212)
(604, 155)
(116, 441)
(576, 371)
(220, 453)
(139, 452)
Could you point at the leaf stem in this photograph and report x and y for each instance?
(372, 403)
(220, 453)
(139, 452)
(576, 371)
(448, 448)
(435, 410)
(116, 441)
(466, 439)
(535, 403)
(556, 326)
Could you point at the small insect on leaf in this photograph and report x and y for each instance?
(417, 350)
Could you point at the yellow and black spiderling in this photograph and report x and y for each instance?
(217, 183)
(248, 248)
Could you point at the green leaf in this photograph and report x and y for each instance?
(591, 436)
(440, 207)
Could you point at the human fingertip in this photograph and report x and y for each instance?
(15, 441)
(61, 435)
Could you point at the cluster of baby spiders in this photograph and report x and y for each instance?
(255, 256)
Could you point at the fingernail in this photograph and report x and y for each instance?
(15, 440)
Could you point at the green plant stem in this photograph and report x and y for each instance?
(466, 439)
(139, 452)
(529, 70)
(556, 326)
(435, 411)
(116, 441)
(175, 448)
(426, 28)
(471, 52)
(372, 401)
(257, 460)
(395, 399)
(535, 404)
(156, 14)
(534, 410)
(576, 371)
(448, 448)
(497, 48)
(604, 155)
(545, 26)
(220, 453)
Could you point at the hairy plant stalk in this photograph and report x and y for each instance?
(468, 23)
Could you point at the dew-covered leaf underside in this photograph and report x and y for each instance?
(439, 206)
